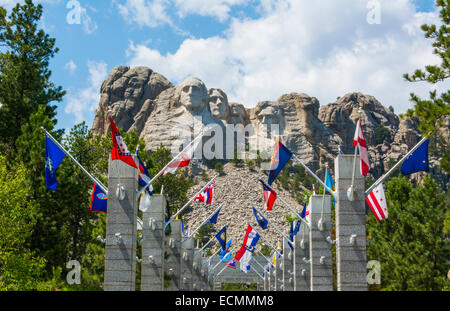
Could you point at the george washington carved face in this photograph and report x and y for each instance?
(193, 93)
(218, 103)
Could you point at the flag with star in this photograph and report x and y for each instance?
(280, 157)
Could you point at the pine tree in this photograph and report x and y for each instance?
(410, 244)
(433, 111)
(24, 74)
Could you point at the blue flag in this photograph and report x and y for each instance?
(213, 218)
(53, 158)
(262, 222)
(99, 200)
(291, 235)
(296, 228)
(224, 254)
(143, 175)
(417, 161)
(281, 155)
(329, 182)
(304, 211)
(221, 236)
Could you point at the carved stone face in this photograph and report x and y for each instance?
(269, 115)
(218, 103)
(192, 93)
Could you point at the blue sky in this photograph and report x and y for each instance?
(253, 50)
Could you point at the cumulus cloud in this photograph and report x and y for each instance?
(70, 66)
(86, 100)
(325, 48)
(219, 9)
(145, 13)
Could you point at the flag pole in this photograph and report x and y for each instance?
(214, 276)
(268, 260)
(350, 191)
(314, 175)
(189, 202)
(285, 203)
(170, 162)
(268, 221)
(93, 178)
(256, 272)
(207, 243)
(382, 178)
(267, 242)
(203, 223)
(323, 199)
(258, 263)
(220, 260)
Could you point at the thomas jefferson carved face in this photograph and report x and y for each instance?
(192, 93)
(218, 103)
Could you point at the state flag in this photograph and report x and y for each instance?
(221, 236)
(417, 161)
(232, 264)
(248, 246)
(269, 196)
(359, 140)
(213, 218)
(207, 195)
(120, 150)
(280, 157)
(53, 158)
(261, 220)
(182, 159)
(377, 202)
(143, 175)
(99, 200)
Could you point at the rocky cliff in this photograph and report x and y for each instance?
(142, 100)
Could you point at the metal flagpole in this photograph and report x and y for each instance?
(190, 201)
(170, 162)
(267, 241)
(395, 166)
(350, 192)
(286, 203)
(92, 177)
(258, 263)
(220, 260)
(275, 227)
(192, 234)
(256, 272)
(204, 246)
(314, 175)
(268, 260)
(214, 276)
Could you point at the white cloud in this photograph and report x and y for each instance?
(325, 48)
(216, 8)
(145, 13)
(86, 100)
(70, 66)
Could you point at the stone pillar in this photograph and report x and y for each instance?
(120, 248)
(302, 280)
(187, 262)
(351, 258)
(153, 247)
(288, 274)
(320, 248)
(280, 283)
(173, 249)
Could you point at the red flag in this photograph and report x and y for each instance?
(120, 150)
(361, 142)
(183, 159)
(377, 202)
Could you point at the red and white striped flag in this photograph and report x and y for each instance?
(183, 159)
(361, 142)
(377, 202)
